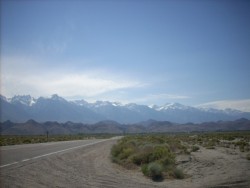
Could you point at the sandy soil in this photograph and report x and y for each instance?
(91, 167)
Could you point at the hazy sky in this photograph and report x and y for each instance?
(142, 51)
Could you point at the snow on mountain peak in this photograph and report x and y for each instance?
(117, 104)
(172, 106)
(106, 103)
(81, 102)
(131, 112)
(3, 98)
(153, 106)
(23, 99)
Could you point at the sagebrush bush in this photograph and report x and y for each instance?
(159, 152)
(195, 148)
(154, 154)
(178, 173)
(242, 144)
(155, 170)
(116, 150)
(140, 158)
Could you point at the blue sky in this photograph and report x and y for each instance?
(143, 51)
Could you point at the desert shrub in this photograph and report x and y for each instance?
(210, 147)
(176, 146)
(210, 144)
(27, 141)
(126, 153)
(140, 158)
(154, 154)
(116, 150)
(144, 169)
(242, 144)
(178, 173)
(168, 159)
(122, 152)
(248, 156)
(194, 148)
(153, 170)
(158, 152)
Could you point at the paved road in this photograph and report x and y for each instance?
(12, 155)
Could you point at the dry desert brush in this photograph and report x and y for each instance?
(155, 155)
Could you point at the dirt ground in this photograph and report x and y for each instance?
(91, 167)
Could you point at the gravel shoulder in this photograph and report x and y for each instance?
(91, 167)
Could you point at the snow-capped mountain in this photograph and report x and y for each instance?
(23, 99)
(171, 106)
(80, 102)
(56, 108)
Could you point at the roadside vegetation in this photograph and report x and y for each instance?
(14, 140)
(155, 154)
(234, 140)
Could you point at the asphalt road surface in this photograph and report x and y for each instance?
(12, 155)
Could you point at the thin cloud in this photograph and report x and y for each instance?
(242, 105)
(65, 85)
(169, 96)
(156, 98)
(21, 77)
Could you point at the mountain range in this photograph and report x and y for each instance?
(20, 109)
(32, 127)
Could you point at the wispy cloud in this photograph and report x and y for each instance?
(23, 78)
(242, 105)
(169, 96)
(159, 98)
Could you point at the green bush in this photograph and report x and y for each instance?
(168, 160)
(144, 169)
(140, 158)
(153, 170)
(158, 153)
(116, 150)
(126, 153)
(154, 154)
